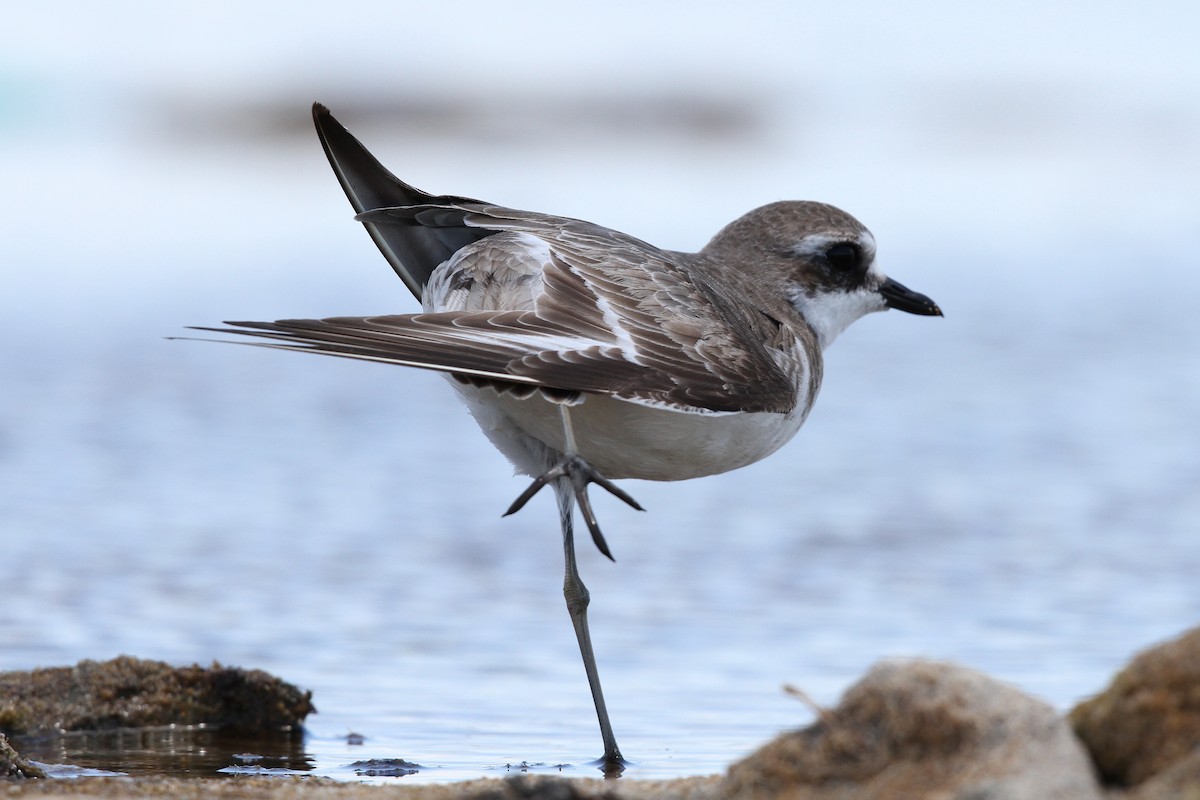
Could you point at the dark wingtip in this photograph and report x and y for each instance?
(322, 116)
(323, 119)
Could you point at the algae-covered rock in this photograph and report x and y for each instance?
(1149, 716)
(923, 729)
(129, 692)
(13, 766)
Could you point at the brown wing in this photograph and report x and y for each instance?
(719, 352)
(614, 316)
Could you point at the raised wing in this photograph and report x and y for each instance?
(413, 251)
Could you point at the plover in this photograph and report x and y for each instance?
(588, 355)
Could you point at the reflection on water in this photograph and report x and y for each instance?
(200, 752)
(192, 751)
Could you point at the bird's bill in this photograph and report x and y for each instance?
(898, 296)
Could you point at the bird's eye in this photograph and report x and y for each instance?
(844, 257)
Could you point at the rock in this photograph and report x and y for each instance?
(130, 693)
(923, 729)
(1149, 716)
(1180, 781)
(13, 766)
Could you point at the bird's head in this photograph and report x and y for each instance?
(824, 261)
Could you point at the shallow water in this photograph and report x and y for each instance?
(193, 751)
(1015, 487)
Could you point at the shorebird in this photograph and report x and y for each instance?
(588, 355)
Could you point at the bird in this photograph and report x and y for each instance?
(587, 355)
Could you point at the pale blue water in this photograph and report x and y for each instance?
(1015, 487)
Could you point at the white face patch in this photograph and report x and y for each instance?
(831, 312)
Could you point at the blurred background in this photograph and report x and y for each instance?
(1015, 487)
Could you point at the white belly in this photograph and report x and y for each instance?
(622, 439)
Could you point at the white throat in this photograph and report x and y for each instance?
(830, 313)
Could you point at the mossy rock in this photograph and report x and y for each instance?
(130, 692)
(1149, 716)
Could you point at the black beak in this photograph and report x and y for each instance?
(901, 298)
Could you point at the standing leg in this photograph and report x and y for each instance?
(577, 603)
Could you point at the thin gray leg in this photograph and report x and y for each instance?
(577, 603)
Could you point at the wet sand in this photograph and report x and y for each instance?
(257, 788)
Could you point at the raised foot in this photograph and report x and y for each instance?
(580, 473)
